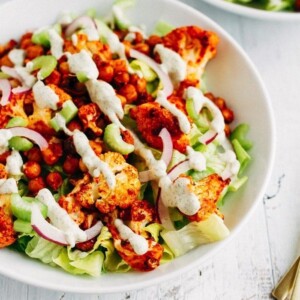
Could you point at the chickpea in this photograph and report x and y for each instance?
(142, 47)
(82, 166)
(34, 154)
(121, 78)
(54, 180)
(129, 92)
(227, 130)
(53, 78)
(97, 147)
(139, 83)
(106, 72)
(32, 169)
(154, 40)
(36, 184)
(4, 156)
(64, 67)
(52, 154)
(74, 124)
(71, 164)
(220, 102)
(34, 51)
(228, 115)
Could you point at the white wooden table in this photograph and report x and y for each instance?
(252, 263)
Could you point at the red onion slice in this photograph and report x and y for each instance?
(179, 169)
(167, 146)
(164, 77)
(80, 22)
(20, 89)
(11, 72)
(55, 235)
(163, 213)
(208, 136)
(30, 134)
(5, 88)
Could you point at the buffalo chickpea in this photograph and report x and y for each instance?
(228, 115)
(142, 47)
(227, 130)
(106, 72)
(54, 180)
(139, 83)
(74, 124)
(121, 78)
(52, 154)
(32, 169)
(36, 184)
(71, 164)
(129, 92)
(34, 154)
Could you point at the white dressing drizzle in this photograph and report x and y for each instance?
(172, 63)
(197, 160)
(104, 95)
(94, 164)
(61, 122)
(184, 124)
(17, 56)
(8, 186)
(24, 72)
(5, 136)
(82, 62)
(232, 164)
(44, 96)
(14, 163)
(61, 219)
(173, 194)
(56, 43)
(138, 242)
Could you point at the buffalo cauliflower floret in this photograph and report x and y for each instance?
(208, 190)
(145, 262)
(88, 115)
(195, 45)
(7, 233)
(127, 185)
(151, 118)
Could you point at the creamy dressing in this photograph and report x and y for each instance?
(56, 43)
(93, 163)
(5, 136)
(8, 186)
(232, 164)
(91, 33)
(17, 56)
(24, 72)
(137, 242)
(104, 95)
(82, 62)
(184, 123)
(197, 160)
(74, 39)
(14, 163)
(172, 63)
(44, 96)
(61, 122)
(61, 219)
(173, 194)
(115, 45)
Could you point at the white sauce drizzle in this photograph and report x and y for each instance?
(94, 164)
(8, 186)
(197, 160)
(82, 62)
(61, 219)
(91, 33)
(24, 72)
(5, 136)
(232, 164)
(104, 95)
(14, 163)
(173, 194)
(74, 39)
(44, 96)
(56, 43)
(172, 63)
(138, 242)
(61, 122)
(17, 56)
(183, 120)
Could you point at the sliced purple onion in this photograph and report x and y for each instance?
(5, 88)
(167, 146)
(80, 22)
(20, 89)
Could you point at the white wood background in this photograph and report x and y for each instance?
(251, 264)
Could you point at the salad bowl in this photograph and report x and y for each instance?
(230, 75)
(250, 12)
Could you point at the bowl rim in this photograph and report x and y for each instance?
(167, 276)
(254, 12)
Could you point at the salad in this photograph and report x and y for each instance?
(271, 5)
(113, 155)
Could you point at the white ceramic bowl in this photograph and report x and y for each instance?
(230, 75)
(255, 13)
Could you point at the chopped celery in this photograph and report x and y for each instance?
(22, 226)
(237, 184)
(162, 28)
(41, 37)
(45, 64)
(200, 119)
(142, 67)
(20, 143)
(16, 122)
(239, 133)
(113, 139)
(118, 11)
(81, 76)
(242, 155)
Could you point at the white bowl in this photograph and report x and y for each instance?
(255, 13)
(230, 75)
